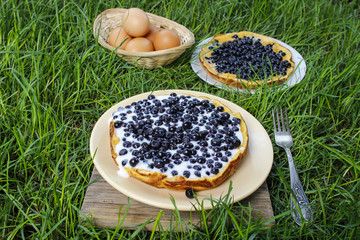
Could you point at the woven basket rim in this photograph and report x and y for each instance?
(142, 54)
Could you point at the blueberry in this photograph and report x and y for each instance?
(220, 108)
(148, 155)
(173, 147)
(192, 160)
(197, 173)
(214, 171)
(161, 132)
(168, 135)
(145, 145)
(161, 154)
(224, 159)
(155, 144)
(177, 162)
(135, 153)
(124, 162)
(203, 133)
(187, 125)
(216, 142)
(201, 160)
(127, 144)
(197, 167)
(123, 152)
(236, 142)
(133, 162)
(186, 139)
(218, 165)
(174, 172)
(158, 163)
(187, 152)
(236, 121)
(118, 124)
(151, 97)
(225, 116)
(186, 174)
(176, 156)
(189, 145)
(189, 193)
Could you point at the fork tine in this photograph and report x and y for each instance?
(278, 119)
(274, 122)
(282, 120)
(287, 121)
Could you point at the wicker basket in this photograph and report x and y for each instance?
(111, 18)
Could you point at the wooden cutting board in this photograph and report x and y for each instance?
(102, 203)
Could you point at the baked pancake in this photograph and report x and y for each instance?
(178, 141)
(246, 60)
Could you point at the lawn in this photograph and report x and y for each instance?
(56, 81)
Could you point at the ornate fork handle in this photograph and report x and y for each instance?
(300, 197)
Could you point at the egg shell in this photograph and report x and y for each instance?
(139, 44)
(135, 22)
(166, 39)
(152, 33)
(117, 37)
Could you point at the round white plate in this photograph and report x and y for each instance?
(295, 77)
(251, 174)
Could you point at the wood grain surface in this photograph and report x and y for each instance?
(102, 203)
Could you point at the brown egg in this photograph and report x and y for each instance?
(166, 39)
(140, 44)
(152, 33)
(135, 22)
(118, 36)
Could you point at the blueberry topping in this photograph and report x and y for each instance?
(158, 163)
(133, 162)
(189, 193)
(247, 58)
(214, 171)
(178, 130)
(123, 152)
(220, 108)
(117, 124)
(215, 142)
(218, 165)
(127, 144)
(201, 160)
(186, 174)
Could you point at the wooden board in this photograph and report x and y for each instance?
(102, 203)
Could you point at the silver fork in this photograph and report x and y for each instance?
(283, 139)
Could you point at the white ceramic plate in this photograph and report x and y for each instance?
(251, 174)
(295, 78)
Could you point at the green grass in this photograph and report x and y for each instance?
(56, 81)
